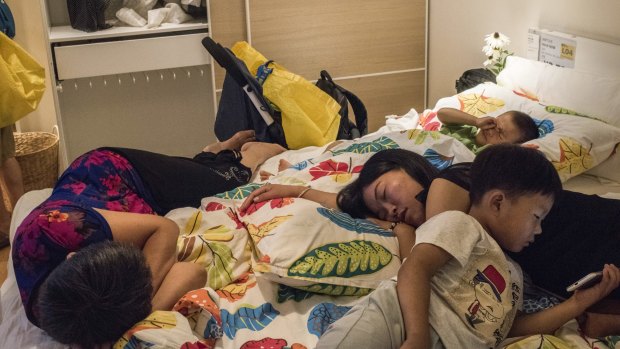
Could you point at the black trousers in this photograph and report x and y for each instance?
(174, 181)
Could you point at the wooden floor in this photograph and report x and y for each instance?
(4, 257)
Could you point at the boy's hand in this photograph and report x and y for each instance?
(486, 123)
(610, 281)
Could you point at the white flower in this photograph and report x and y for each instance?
(496, 40)
(488, 50)
(495, 51)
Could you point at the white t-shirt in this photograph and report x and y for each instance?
(475, 296)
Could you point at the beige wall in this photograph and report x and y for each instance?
(457, 28)
(30, 35)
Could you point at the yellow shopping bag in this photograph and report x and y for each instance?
(22, 82)
(310, 117)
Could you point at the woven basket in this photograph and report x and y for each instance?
(37, 154)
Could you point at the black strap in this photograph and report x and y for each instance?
(359, 109)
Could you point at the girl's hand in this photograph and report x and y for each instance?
(271, 191)
(610, 281)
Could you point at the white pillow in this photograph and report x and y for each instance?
(574, 144)
(610, 168)
(585, 93)
(521, 74)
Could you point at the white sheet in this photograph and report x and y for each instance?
(15, 329)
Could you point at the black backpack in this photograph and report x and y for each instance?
(348, 129)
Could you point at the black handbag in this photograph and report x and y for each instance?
(347, 129)
(472, 78)
(87, 15)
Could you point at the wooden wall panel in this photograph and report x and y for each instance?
(388, 94)
(227, 27)
(346, 37)
(361, 41)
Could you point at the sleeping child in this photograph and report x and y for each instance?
(512, 127)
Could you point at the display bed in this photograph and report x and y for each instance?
(285, 269)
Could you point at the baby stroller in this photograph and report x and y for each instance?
(243, 105)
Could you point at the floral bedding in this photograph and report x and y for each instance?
(285, 263)
(285, 269)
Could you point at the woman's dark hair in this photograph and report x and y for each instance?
(351, 200)
(514, 169)
(525, 124)
(96, 295)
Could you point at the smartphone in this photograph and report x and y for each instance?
(586, 281)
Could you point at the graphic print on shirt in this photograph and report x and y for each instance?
(487, 305)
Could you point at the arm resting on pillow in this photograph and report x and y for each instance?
(274, 191)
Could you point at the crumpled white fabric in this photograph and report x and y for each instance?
(176, 14)
(130, 17)
(172, 13)
(408, 121)
(142, 7)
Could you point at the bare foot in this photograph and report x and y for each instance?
(596, 325)
(255, 153)
(264, 175)
(233, 143)
(283, 165)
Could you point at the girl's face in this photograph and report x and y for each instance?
(392, 197)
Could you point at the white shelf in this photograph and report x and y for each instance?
(67, 33)
(126, 56)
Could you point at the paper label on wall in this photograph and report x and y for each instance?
(557, 50)
(533, 45)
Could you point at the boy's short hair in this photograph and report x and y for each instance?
(96, 295)
(525, 124)
(514, 169)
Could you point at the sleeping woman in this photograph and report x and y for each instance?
(390, 189)
(580, 234)
(97, 256)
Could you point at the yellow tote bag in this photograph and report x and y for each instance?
(22, 82)
(309, 115)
